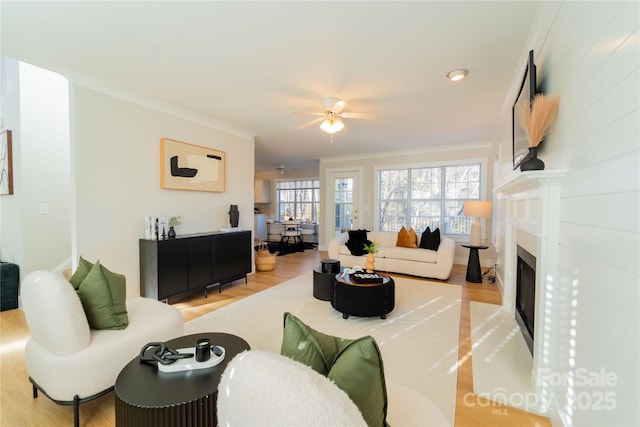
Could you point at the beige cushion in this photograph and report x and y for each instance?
(407, 238)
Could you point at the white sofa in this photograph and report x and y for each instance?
(72, 363)
(391, 258)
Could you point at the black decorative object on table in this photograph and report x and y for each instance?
(361, 278)
(234, 215)
(172, 233)
(532, 163)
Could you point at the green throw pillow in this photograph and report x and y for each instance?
(84, 267)
(103, 295)
(354, 365)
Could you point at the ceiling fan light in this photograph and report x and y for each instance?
(458, 74)
(332, 125)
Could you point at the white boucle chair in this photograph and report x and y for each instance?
(71, 363)
(260, 388)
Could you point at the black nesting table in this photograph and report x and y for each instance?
(324, 278)
(363, 299)
(474, 273)
(147, 397)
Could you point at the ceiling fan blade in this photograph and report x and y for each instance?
(339, 106)
(314, 121)
(332, 104)
(357, 116)
(314, 113)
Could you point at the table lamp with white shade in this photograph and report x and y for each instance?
(477, 209)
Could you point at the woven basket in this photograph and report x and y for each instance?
(265, 260)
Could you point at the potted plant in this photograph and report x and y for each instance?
(372, 249)
(174, 221)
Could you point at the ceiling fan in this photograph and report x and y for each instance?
(333, 114)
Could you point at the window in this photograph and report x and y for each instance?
(424, 197)
(298, 199)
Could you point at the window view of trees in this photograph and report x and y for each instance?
(298, 199)
(343, 190)
(427, 197)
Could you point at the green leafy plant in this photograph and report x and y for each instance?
(175, 221)
(372, 248)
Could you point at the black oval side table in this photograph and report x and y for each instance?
(148, 397)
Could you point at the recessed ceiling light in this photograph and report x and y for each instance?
(458, 74)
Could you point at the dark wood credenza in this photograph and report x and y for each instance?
(193, 262)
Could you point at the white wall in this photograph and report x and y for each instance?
(10, 234)
(35, 108)
(116, 151)
(588, 54)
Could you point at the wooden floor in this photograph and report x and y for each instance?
(18, 408)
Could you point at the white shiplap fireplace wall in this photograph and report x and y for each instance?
(532, 222)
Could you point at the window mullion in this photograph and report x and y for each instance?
(407, 217)
(443, 196)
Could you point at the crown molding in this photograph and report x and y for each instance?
(395, 153)
(104, 87)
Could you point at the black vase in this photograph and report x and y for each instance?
(234, 215)
(532, 163)
(172, 233)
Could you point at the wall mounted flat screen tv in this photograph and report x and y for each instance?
(524, 99)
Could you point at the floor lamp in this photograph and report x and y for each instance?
(477, 209)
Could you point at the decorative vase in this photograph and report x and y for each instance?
(369, 266)
(172, 233)
(532, 163)
(234, 215)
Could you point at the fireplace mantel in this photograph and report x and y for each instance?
(532, 203)
(529, 179)
(531, 213)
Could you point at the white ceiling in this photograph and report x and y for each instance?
(247, 66)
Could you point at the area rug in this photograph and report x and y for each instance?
(418, 340)
(501, 360)
(283, 249)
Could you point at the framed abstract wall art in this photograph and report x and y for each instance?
(6, 164)
(186, 166)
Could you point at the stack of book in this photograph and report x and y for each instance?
(156, 227)
(366, 278)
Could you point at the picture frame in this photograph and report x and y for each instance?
(524, 98)
(6, 164)
(185, 166)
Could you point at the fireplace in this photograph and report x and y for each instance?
(530, 202)
(525, 304)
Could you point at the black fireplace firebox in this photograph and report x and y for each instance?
(526, 294)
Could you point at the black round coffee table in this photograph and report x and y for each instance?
(363, 299)
(147, 397)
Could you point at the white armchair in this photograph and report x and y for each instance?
(71, 363)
